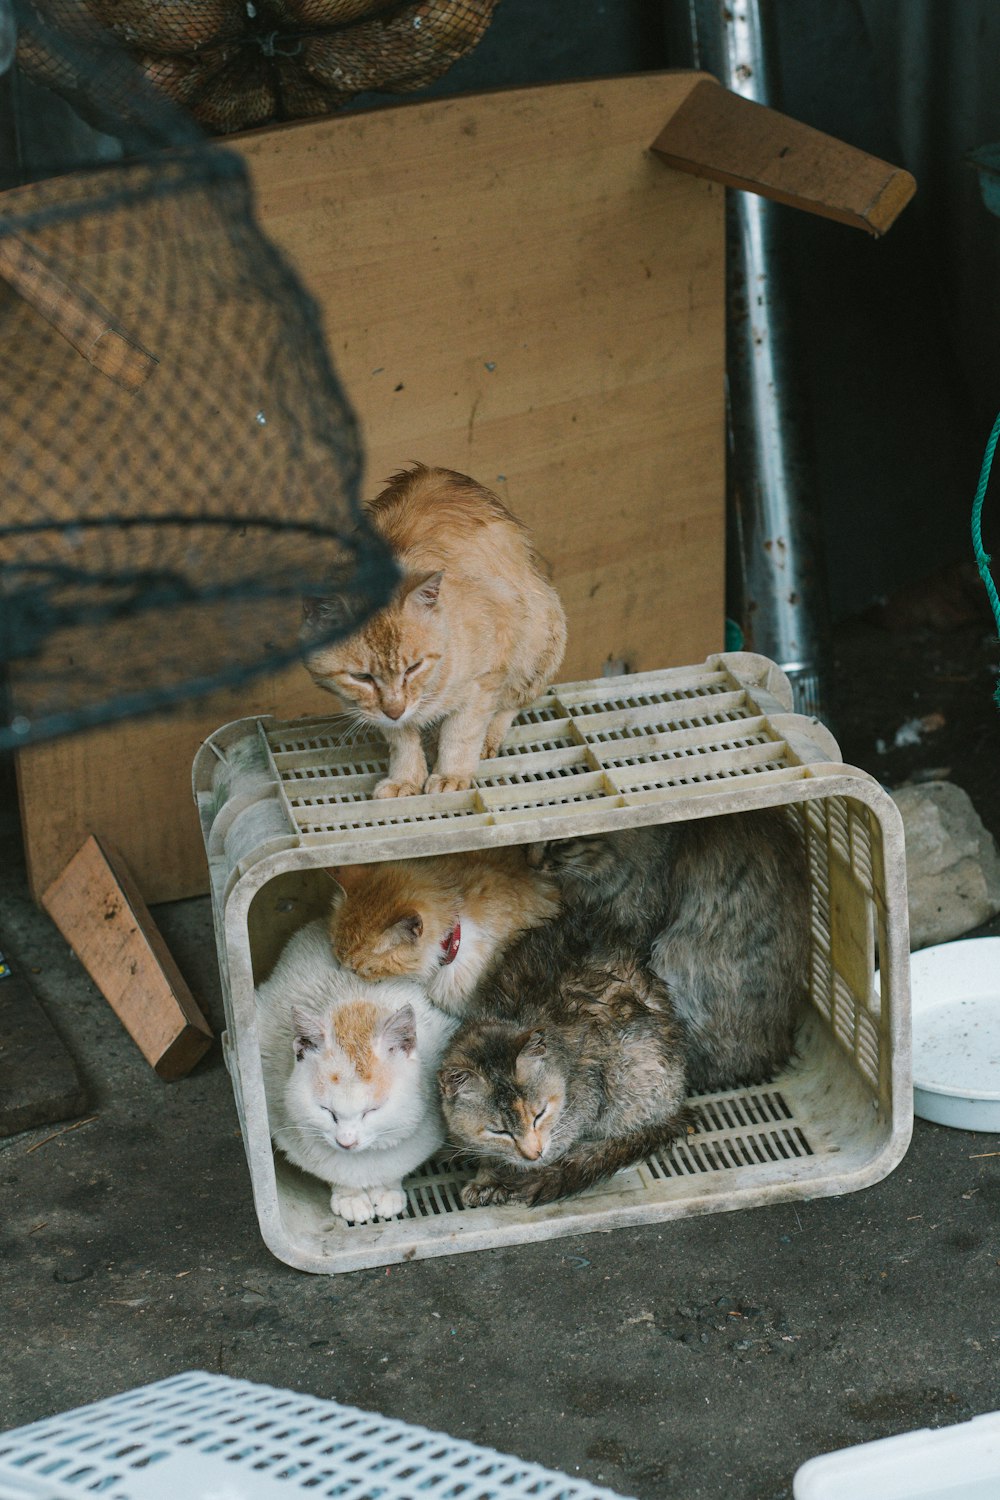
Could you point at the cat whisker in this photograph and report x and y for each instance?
(352, 730)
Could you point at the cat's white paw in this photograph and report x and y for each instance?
(436, 783)
(353, 1204)
(389, 788)
(388, 1203)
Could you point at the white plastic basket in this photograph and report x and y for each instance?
(207, 1437)
(280, 801)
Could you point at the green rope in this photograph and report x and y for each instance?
(982, 556)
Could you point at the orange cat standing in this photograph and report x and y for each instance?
(473, 633)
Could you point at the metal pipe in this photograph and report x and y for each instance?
(776, 578)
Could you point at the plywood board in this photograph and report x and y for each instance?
(514, 286)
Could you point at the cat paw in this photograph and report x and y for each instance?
(353, 1204)
(483, 1191)
(438, 783)
(388, 1203)
(389, 788)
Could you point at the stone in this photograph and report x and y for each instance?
(952, 862)
(39, 1083)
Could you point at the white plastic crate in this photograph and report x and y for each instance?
(207, 1437)
(280, 801)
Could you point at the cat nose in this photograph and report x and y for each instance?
(347, 1143)
(394, 710)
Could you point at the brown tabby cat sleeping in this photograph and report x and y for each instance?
(570, 1068)
(441, 919)
(473, 633)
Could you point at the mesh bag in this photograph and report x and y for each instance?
(179, 463)
(238, 63)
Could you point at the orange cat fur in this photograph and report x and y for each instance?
(441, 919)
(473, 633)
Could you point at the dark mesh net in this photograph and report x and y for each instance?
(238, 63)
(179, 463)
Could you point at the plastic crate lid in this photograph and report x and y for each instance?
(208, 1437)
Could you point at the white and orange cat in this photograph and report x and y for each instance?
(350, 1075)
(473, 633)
(440, 920)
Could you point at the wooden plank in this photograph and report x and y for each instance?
(729, 139)
(98, 909)
(512, 286)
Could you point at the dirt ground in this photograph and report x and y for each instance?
(702, 1359)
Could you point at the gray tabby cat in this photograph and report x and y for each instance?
(570, 1071)
(720, 909)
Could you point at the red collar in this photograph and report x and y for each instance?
(449, 948)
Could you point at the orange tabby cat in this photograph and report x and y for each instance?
(473, 633)
(441, 919)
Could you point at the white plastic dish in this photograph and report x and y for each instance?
(950, 1463)
(955, 998)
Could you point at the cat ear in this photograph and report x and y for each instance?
(308, 1032)
(331, 612)
(452, 1081)
(535, 855)
(423, 589)
(532, 1044)
(399, 1031)
(409, 927)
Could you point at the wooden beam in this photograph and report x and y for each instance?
(97, 907)
(726, 138)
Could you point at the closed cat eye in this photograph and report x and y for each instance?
(365, 677)
(509, 1134)
(413, 667)
(540, 1115)
(330, 1112)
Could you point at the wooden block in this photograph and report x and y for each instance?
(98, 909)
(724, 137)
(38, 1078)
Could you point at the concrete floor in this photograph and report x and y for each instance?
(129, 1247)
